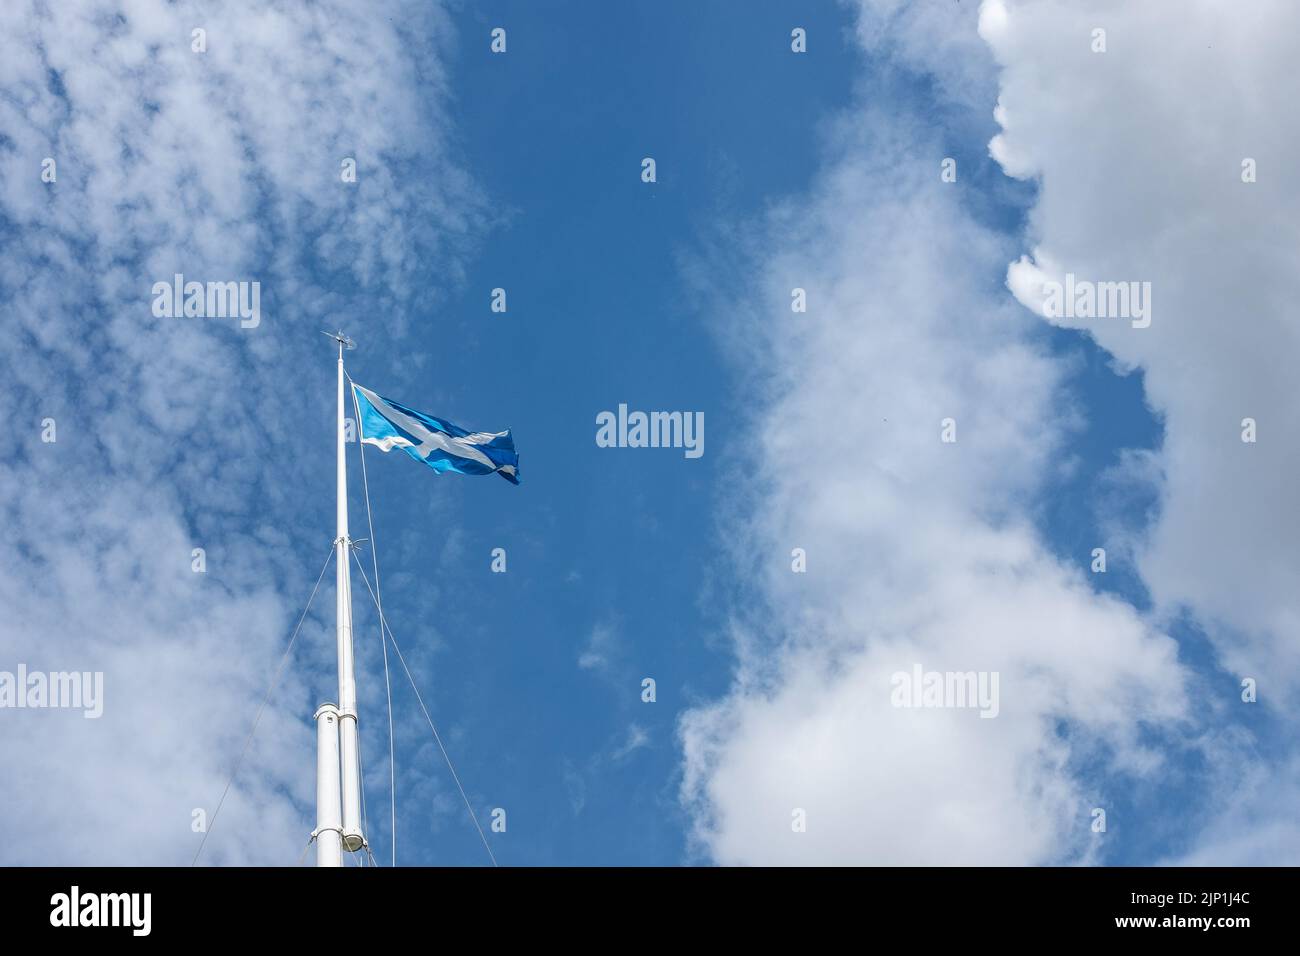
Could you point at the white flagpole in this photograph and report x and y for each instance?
(338, 769)
(353, 839)
(329, 822)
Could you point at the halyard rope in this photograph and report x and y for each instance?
(383, 622)
(378, 596)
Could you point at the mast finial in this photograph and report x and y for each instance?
(341, 339)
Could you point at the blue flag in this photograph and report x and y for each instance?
(441, 445)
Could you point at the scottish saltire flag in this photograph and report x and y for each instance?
(442, 446)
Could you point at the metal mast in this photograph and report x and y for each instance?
(338, 769)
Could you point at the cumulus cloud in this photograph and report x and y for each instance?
(919, 552)
(916, 554)
(223, 165)
(1140, 154)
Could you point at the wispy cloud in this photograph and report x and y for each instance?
(223, 165)
(604, 650)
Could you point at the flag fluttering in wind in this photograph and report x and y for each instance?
(442, 446)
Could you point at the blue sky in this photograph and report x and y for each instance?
(598, 540)
(522, 171)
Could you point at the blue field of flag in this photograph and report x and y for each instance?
(442, 446)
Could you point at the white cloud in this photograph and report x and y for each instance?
(918, 552)
(637, 737)
(224, 166)
(929, 38)
(603, 651)
(1139, 154)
